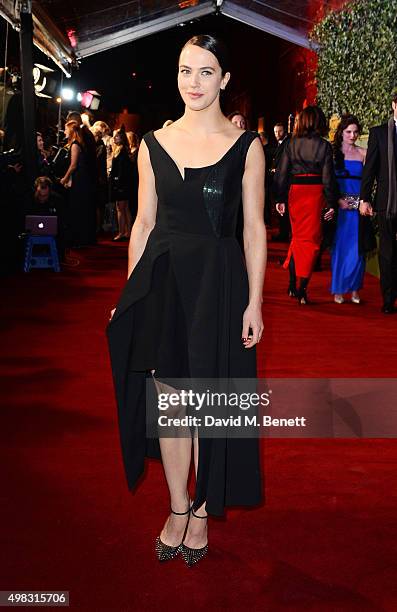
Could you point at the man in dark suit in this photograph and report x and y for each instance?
(282, 139)
(381, 166)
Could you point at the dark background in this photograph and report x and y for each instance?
(266, 78)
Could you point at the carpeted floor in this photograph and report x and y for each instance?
(325, 540)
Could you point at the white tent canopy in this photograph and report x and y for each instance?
(83, 28)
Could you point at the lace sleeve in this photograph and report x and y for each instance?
(331, 188)
(282, 177)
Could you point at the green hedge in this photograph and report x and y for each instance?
(357, 60)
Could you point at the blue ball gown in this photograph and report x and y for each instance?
(347, 265)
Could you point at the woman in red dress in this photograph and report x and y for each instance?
(305, 178)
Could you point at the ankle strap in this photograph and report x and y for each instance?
(196, 515)
(180, 513)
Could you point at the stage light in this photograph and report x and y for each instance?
(91, 99)
(59, 100)
(67, 94)
(44, 85)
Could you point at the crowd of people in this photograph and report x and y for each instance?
(92, 169)
(318, 183)
(322, 191)
(314, 185)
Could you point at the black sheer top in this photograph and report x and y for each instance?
(307, 156)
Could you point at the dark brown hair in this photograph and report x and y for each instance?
(346, 120)
(215, 46)
(123, 137)
(310, 122)
(124, 144)
(235, 113)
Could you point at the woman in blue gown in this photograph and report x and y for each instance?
(347, 262)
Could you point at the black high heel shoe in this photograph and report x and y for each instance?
(292, 291)
(164, 551)
(193, 555)
(302, 297)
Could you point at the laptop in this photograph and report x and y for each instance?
(41, 225)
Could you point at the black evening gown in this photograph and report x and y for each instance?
(82, 200)
(181, 314)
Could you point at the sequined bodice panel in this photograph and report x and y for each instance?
(206, 200)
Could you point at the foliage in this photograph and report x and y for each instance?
(357, 60)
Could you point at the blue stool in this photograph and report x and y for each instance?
(51, 260)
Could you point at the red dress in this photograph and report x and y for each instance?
(305, 204)
(305, 179)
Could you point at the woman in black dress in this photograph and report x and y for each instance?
(80, 178)
(133, 140)
(191, 300)
(121, 183)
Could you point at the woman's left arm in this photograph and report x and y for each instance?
(254, 241)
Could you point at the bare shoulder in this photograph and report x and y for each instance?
(143, 157)
(168, 133)
(255, 156)
(232, 131)
(362, 151)
(160, 132)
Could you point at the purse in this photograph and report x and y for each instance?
(352, 200)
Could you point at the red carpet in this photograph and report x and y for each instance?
(324, 541)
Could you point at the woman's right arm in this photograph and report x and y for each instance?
(147, 208)
(74, 157)
(282, 180)
(331, 187)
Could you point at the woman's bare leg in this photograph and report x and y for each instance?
(125, 222)
(120, 219)
(176, 454)
(128, 222)
(196, 535)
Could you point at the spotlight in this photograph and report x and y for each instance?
(44, 85)
(91, 99)
(67, 94)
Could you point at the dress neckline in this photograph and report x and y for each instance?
(183, 176)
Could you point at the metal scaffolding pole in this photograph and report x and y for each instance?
(28, 94)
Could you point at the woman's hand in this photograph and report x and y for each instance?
(343, 203)
(280, 209)
(252, 319)
(329, 214)
(112, 313)
(64, 182)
